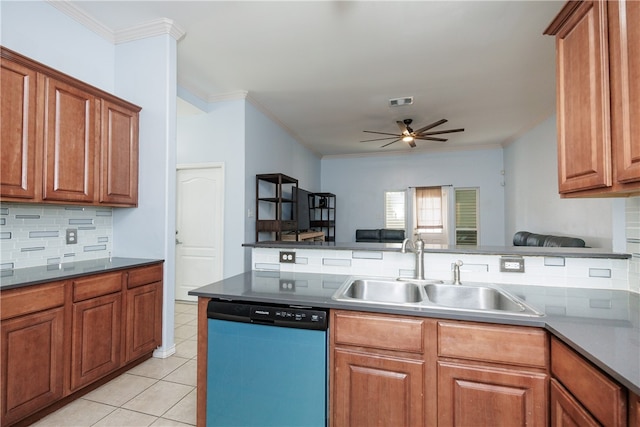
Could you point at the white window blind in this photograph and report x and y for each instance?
(466, 216)
(428, 207)
(394, 209)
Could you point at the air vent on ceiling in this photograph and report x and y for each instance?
(397, 102)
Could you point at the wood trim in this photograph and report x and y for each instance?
(562, 17)
(386, 332)
(21, 301)
(144, 275)
(203, 337)
(565, 410)
(95, 286)
(600, 395)
(526, 346)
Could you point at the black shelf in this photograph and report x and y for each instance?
(322, 207)
(280, 221)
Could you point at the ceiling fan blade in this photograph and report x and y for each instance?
(412, 143)
(403, 128)
(428, 138)
(380, 139)
(381, 133)
(432, 125)
(438, 132)
(389, 143)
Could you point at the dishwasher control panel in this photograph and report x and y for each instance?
(290, 317)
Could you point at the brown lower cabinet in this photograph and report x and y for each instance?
(583, 392)
(58, 338)
(405, 371)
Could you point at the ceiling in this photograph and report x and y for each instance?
(325, 70)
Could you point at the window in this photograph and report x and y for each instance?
(466, 216)
(394, 209)
(428, 209)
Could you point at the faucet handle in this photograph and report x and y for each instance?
(456, 272)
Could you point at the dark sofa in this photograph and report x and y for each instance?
(525, 238)
(380, 235)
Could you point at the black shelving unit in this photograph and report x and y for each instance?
(271, 189)
(322, 208)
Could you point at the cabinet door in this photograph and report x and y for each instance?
(96, 338)
(69, 143)
(584, 139)
(470, 395)
(566, 411)
(118, 155)
(31, 363)
(18, 130)
(372, 389)
(624, 39)
(144, 320)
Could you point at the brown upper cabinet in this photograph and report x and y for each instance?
(598, 98)
(64, 141)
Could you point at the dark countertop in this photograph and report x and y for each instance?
(601, 325)
(21, 277)
(431, 248)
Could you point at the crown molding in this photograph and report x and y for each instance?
(144, 30)
(228, 96)
(83, 18)
(157, 27)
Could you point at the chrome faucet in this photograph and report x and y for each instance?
(417, 247)
(456, 272)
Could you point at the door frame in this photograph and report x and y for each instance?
(207, 165)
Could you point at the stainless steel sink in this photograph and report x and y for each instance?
(382, 291)
(472, 297)
(433, 295)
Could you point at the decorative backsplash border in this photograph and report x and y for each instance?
(34, 235)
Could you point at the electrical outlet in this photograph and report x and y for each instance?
(287, 285)
(511, 265)
(287, 257)
(72, 236)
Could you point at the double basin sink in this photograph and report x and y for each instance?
(433, 294)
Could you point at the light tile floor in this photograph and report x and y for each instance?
(158, 392)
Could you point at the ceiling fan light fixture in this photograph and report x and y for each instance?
(407, 138)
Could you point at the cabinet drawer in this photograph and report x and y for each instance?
(493, 343)
(601, 396)
(96, 286)
(16, 302)
(383, 332)
(144, 275)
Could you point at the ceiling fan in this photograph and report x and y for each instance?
(408, 135)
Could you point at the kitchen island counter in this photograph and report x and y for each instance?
(601, 325)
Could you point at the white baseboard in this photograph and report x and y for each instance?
(164, 352)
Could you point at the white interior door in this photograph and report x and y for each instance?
(199, 226)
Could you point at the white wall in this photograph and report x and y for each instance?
(531, 194)
(359, 184)
(270, 149)
(217, 135)
(37, 30)
(248, 142)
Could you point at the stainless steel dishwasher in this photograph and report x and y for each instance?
(266, 365)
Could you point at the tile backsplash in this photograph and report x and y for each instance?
(34, 235)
